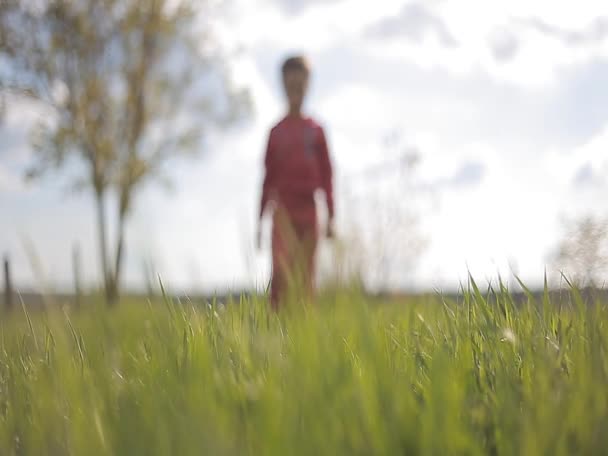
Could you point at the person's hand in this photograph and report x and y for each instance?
(258, 238)
(331, 232)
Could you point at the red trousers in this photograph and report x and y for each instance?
(294, 246)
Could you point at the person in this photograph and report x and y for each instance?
(297, 164)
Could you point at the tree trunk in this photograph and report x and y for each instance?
(119, 255)
(8, 287)
(103, 246)
(76, 269)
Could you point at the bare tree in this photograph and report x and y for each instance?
(130, 85)
(384, 217)
(582, 255)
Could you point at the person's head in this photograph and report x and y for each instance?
(296, 73)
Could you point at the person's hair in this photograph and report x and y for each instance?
(295, 63)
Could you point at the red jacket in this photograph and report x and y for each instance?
(297, 164)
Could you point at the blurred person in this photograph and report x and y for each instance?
(297, 164)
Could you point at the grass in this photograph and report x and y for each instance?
(477, 376)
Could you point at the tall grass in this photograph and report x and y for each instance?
(477, 376)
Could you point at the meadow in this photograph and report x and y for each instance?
(476, 375)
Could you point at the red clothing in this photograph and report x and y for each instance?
(297, 165)
(294, 247)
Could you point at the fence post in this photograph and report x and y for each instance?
(76, 265)
(8, 286)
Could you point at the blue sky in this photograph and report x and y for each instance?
(505, 103)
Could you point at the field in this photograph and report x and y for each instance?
(476, 375)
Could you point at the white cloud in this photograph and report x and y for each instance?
(506, 40)
(9, 181)
(298, 6)
(15, 128)
(414, 22)
(583, 172)
(318, 25)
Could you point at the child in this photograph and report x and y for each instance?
(297, 165)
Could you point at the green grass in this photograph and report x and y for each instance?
(478, 376)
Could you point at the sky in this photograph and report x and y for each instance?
(504, 103)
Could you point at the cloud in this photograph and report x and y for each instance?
(469, 174)
(504, 45)
(19, 117)
(9, 181)
(535, 46)
(595, 33)
(12, 138)
(583, 176)
(584, 169)
(295, 7)
(414, 23)
(15, 153)
(500, 40)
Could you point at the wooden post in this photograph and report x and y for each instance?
(76, 266)
(8, 286)
(148, 277)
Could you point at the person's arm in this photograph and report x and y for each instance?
(268, 184)
(327, 180)
(269, 176)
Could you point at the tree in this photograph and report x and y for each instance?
(582, 255)
(129, 83)
(8, 47)
(384, 216)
